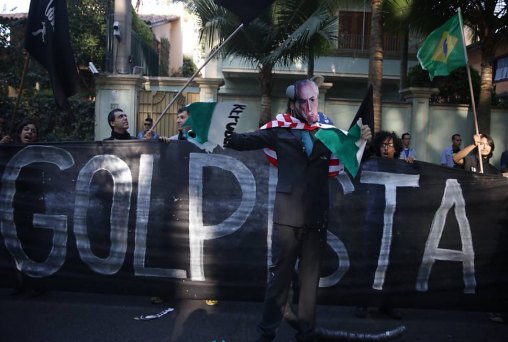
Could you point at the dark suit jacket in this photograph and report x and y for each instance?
(302, 189)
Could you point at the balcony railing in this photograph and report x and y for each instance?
(358, 42)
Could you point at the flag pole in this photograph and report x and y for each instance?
(470, 89)
(214, 52)
(20, 92)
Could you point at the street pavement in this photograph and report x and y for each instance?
(79, 317)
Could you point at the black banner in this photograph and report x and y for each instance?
(47, 40)
(167, 219)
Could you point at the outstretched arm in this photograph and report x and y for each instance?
(459, 156)
(252, 141)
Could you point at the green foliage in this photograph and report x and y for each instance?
(54, 125)
(455, 87)
(283, 33)
(164, 57)
(12, 57)
(452, 89)
(88, 31)
(143, 30)
(189, 68)
(417, 77)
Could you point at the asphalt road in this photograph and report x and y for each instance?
(79, 317)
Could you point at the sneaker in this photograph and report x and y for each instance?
(496, 317)
(391, 312)
(361, 311)
(211, 302)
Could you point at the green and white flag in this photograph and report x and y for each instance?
(212, 123)
(443, 51)
(347, 146)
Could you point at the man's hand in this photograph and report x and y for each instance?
(410, 160)
(366, 133)
(164, 139)
(477, 138)
(148, 135)
(6, 140)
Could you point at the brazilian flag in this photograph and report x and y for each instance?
(443, 51)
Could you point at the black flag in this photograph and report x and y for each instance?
(47, 40)
(245, 10)
(366, 110)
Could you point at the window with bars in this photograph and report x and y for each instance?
(501, 69)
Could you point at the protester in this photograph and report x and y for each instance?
(385, 145)
(300, 211)
(148, 123)
(26, 133)
(468, 157)
(181, 117)
(470, 161)
(27, 201)
(450, 151)
(183, 132)
(408, 153)
(504, 162)
(119, 124)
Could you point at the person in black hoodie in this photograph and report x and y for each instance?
(470, 161)
(119, 124)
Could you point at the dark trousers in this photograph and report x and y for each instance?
(289, 244)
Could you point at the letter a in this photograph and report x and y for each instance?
(452, 196)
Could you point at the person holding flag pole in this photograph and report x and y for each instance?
(443, 51)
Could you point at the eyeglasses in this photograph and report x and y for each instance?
(386, 145)
(148, 124)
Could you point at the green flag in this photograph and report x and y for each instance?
(443, 50)
(347, 146)
(212, 123)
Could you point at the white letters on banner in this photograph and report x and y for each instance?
(57, 223)
(391, 181)
(199, 233)
(452, 198)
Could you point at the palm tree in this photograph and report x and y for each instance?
(488, 21)
(396, 18)
(288, 31)
(376, 60)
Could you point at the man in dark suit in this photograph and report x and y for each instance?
(300, 215)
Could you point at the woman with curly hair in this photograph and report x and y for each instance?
(387, 145)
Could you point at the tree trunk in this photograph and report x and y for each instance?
(404, 45)
(265, 80)
(485, 102)
(376, 60)
(310, 64)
